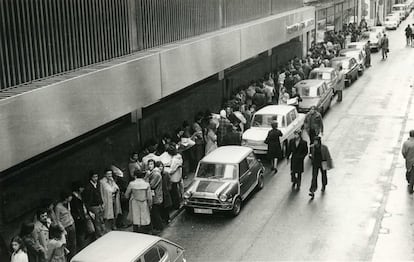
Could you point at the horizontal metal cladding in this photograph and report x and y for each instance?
(41, 38)
(60, 108)
(36, 121)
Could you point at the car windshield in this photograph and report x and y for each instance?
(265, 120)
(345, 64)
(320, 75)
(216, 171)
(306, 91)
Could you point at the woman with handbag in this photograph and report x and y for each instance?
(274, 151)
(321, 160)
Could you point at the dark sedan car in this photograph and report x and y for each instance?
(349, 68)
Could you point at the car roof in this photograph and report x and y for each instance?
(323, 69)
(282, 109)
(116, 246)
(340, 58)
(227, 155)
(398, 5)
(356, 43)
(349, 50)
(309, 83)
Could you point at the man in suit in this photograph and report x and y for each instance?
(298, 148)
(321, 160)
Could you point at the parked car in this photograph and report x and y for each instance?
(361, 45)
(130, 247)
(349, 68)
(329, 75)
(391, 22)
(289, 120)
(359, 56)
(403, 8)
(374, 35)
(314, 93)
(224, 178)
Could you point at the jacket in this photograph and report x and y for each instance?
(384, 43)
(326, 156)
(140, 201)
(63, 215)
(111, 199)
(273, 143)
(155, 181)
(298, 153)
(92, 195)
(41, 234)
(175, 168)
(408, 153)
(314, 121)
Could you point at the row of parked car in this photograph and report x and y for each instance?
(399, 13)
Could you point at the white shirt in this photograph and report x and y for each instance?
(19, 256)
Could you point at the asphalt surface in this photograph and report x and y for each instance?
(365, 213)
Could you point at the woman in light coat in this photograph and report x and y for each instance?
(56, 247)
(140, 202)
(111, 199)
(211, 138)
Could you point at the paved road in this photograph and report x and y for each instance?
(365, 214)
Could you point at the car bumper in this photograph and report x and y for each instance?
(257, 148)
(208, 206)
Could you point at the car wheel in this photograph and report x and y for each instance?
(260, 181)
(356, 76)
(189, 210)
(236, 207)
(284, 149)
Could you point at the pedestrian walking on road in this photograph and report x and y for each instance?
(298, 148)
(321, 160)
(408, 33)
(408, 154)
(274, 149)
(384, 47)
(313, 124)
(341, 83)
(140, 202)
(368, 54)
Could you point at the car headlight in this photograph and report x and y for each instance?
(223, 197)
(187, 195)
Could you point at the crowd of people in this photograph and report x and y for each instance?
(152, 186)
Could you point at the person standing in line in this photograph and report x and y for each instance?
(298, 148)
(313, 124)
(56, 247)
(174, 169)
(274, 151)
(111, 199)
(35, 251)
(211, 138)
(408, 33)
(133, 165)
(93, 201)
(321, 160)
(166, 196)
(384, 47)
(155, 181)
(41, 228)
(224, 122)
(140, 202)
(198, 138)
(65, 218)
(408, 154)
(19, 253)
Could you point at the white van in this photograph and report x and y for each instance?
(130, 247)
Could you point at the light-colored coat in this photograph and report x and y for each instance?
(111, 209)
(211, 141)
(140, 201)
(41, 233)
(408, 153)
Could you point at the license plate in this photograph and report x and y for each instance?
(203, 211)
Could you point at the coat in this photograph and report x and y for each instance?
(408, 153)
(19, 256)
(155, 181)
(55, 251)
(298, 153)
(41, 234)
(111, 209)
(326, 156)
(166, 188)
(35, 251)
(384, 43)
(79, 213)
(140, 201)
(314, 122)
(274, 149)
(211, 141)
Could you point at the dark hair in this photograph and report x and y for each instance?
(18, 240)
(91, 173)
(107, 170)
(26, 228)
(317, 138)
(134, 153)
(151, 160)
(171, 149)
(411, 133)
(274, 124)
(158, 164)
(139, 174)
(76, 186)
(64, 195)
(55, 232)
(40, 212)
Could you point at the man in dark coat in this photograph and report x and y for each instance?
(80, 215)
(232, 137)
(313, 123)
(384, 47)
(368, 54)
(298, 148)
(321, 160)
(274, 149)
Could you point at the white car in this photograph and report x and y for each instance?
(288, 119)
(358, 45)
(391, 22)
(130, 247)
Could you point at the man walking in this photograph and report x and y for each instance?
(408, 154)
(408, 33)
(384, 47)
(368, 54)
(313, 124)
(321, 160)
(298, 148)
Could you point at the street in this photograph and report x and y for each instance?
(365, 213)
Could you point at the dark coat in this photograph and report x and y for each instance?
(232, 138)
(78, 213)
(166, 187)
(273, 142)
(298, 155)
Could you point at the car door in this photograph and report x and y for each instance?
(245, 179)
(324, 96)
(254, 167)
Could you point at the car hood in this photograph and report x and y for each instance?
(256, 133)
(210, 188)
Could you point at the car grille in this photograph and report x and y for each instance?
(204, 202)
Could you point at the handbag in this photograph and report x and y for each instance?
(325, 165)
(388, 50)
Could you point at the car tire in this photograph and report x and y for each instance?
(189, 210)
(236, 207)
(284, 149)
(260, 182)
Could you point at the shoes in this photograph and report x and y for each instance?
(323, 189)
(293, 185)
(311, 194)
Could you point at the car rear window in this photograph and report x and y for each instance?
(306, 91)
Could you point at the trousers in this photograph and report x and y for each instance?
(315, 172)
